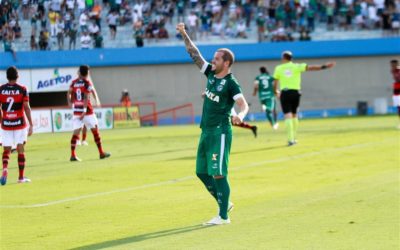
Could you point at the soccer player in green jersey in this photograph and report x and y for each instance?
(244, 125)
(264, 86)
(221, 93)
(288, 76)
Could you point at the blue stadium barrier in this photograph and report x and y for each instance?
(178, 54)
(177, 121)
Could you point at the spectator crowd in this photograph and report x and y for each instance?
(85, 24)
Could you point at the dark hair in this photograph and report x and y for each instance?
(287, 55)
(227, 55)
(263, 70)
(84, 70)
(12, 73)
(394, 61)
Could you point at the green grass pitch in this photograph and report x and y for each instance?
(337, 189)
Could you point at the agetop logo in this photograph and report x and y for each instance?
(56, 80)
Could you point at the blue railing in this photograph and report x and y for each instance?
(177, 54)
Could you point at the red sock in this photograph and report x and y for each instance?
(84, 134)
(6, 157)
(73, 144)
(244, 125)
(21, 165)
(97, 140)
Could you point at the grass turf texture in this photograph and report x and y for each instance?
(337, 189)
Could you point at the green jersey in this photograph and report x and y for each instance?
(220, 96)
(289, 75)
(265, 84)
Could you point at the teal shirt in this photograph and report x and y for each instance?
(265, 85)
(218, 99)
(8, 46)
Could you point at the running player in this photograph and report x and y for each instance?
(264, 85)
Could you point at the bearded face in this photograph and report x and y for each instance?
(218, 64)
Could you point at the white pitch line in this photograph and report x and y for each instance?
(157, 184)
(99, 194)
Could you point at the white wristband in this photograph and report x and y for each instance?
(241, 116)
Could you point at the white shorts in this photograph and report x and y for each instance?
(396, 100)
(11, 138)
(90, 121)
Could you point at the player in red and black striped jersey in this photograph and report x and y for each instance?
(79, 99)
(15, 109)
(395, 69)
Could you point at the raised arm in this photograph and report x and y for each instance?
(190, 47)
(327, 65)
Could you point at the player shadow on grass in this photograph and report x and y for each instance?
(142, 237)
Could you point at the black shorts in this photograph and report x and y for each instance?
(290, 101)
(113, 27)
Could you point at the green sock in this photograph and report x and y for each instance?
(270, 117)
(223, 192)
(209, 182)
(289, 129)
(295, 127)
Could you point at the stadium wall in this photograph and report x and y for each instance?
(166, 74)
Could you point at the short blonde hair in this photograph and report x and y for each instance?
(227, 55)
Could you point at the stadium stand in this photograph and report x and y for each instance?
(51, 25)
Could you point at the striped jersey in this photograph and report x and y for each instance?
(12, 98)
(396, 84)
(81, 88)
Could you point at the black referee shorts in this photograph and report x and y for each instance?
(290, 101)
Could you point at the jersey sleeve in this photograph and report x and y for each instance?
(302, 67)
(235, 90)
(206, 69)
(25, 95)
(256, 81)
(88, 87)
(1, 96)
